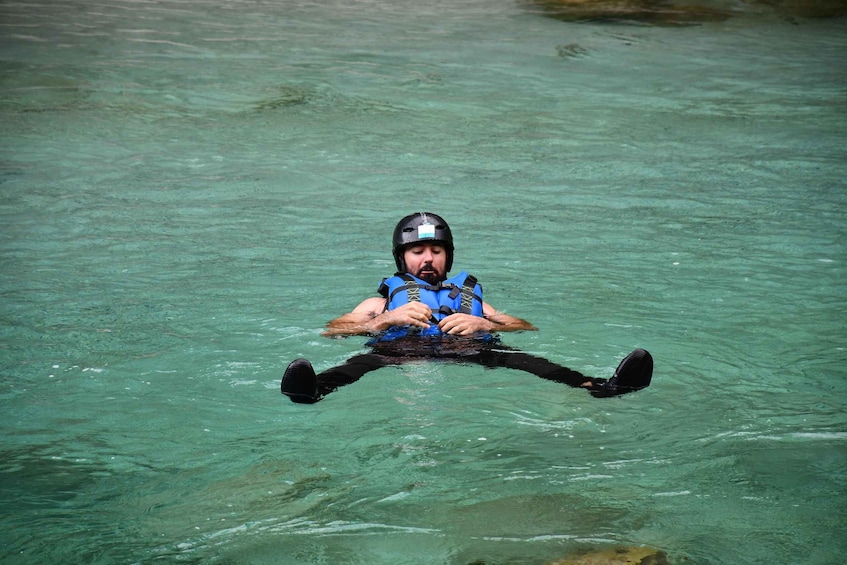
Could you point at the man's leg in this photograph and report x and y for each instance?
(520, 361)
(300, 384)
(633, 373)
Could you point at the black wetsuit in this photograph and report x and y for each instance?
(488, 352)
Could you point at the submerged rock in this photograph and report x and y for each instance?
(643, 11)
(571, 50)
(670, 13)
(286, 96)
(617, 556)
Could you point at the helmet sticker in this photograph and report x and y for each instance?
(426, 231)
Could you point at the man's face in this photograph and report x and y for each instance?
(427, 261)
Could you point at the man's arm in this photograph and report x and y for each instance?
(370, 317)
(504, 322)
(492, 320)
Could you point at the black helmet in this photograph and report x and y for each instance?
(421, 227)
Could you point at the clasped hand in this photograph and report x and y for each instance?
(419, 314)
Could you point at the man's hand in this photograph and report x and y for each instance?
(410, 314)
(465, 324)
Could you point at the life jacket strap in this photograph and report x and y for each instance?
(412, 288)
(383, 289)
(468, 294)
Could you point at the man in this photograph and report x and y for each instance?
(421, 313)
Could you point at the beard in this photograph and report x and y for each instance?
(429, 274)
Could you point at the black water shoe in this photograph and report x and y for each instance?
(633, 373)
(299, 382)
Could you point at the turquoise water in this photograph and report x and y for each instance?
(190, 189)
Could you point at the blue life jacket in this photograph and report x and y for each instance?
(460, 293)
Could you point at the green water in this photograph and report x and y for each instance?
(189, 190)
